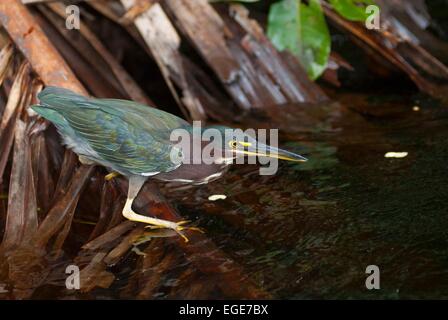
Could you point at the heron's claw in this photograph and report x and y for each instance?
(179, 227)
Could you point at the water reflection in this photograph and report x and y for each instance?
(309, 231)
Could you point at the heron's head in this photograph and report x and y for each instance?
(235, 143)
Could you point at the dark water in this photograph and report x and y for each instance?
(309, 231)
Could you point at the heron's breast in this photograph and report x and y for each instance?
(193, 173)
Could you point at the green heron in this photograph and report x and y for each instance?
(135, 141)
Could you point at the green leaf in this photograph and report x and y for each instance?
(353, 10)
(316, 40)
(284, 26)
(302, 30)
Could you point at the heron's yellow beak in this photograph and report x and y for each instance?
(263, 150)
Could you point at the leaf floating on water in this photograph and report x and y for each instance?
(217, 197)
(396, 155)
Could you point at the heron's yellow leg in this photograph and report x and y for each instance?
(180, 227)
(135, 184)
(111, 175)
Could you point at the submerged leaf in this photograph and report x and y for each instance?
(354, 10)
(301, 29)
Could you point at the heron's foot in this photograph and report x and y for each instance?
(154, 223)
(178, 227)
(111, 175)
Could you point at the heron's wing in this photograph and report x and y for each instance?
(128, 138)
(157, 119)
(159, 122)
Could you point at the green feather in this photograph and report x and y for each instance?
(130, 137)
(49, 114)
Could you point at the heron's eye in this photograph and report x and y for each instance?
(233, 144)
